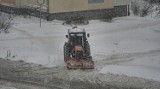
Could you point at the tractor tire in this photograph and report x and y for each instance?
(69, 66)
(87, 49)
(66, 52)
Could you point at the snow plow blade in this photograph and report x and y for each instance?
(80, 64)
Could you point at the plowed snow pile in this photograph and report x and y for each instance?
(126, 51)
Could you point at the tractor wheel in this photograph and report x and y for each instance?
(66, 53)
(87, 50)
(69, 66)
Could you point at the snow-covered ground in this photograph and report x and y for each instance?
(4, 87)
(128, 45)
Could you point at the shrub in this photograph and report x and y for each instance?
(135, 7)
(141, 8)
(145, 9)
(107, 18)
(76, 20)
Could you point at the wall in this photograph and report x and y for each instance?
(34, 4)
(121, 10)
(58, 6)
(122, 4)
(89, 13)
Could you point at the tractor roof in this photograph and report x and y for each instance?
(76, 30)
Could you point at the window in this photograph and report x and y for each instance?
(95, 1)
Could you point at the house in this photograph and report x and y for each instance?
(62, 9)
(8, 1)
(11, 3)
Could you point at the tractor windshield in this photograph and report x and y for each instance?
(76, 39)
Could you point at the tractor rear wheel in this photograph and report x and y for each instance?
(66, 52)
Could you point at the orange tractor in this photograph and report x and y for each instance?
(77, 50)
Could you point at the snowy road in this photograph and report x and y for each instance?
(127, 46)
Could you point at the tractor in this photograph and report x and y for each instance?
(77, 53)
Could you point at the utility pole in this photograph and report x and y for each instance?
(47, 10)
(40, 14)
(40, 2)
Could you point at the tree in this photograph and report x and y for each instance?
(153, 1)
(5, 22)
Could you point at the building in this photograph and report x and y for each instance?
(8, 1)
(62, 9)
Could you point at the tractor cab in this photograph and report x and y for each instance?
(76, 37)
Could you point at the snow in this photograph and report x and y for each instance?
(76, 30)
(147, 67)
(128, 45)
(6, 87)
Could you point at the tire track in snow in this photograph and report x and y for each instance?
(31, 37)
(124, 57)
(47, 45)
(127, 28)
(17, 38)
(35, 40)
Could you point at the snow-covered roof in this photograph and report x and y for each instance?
(76, 30)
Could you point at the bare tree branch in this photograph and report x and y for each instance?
(5, 22)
